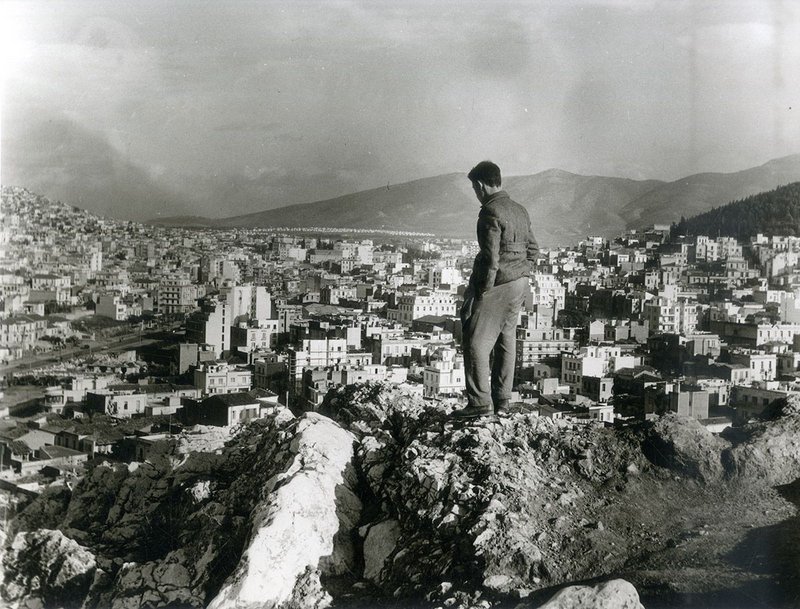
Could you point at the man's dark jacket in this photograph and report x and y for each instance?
(506, 241)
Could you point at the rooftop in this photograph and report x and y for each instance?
(54, 452)
(238, 399)
(150, 388)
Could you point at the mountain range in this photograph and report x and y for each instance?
(564, 207)
(85, 171)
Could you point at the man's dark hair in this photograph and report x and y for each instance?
(486, 172)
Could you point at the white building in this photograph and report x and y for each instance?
(445, 375)
(111, 306)
(176, 295)
(593, 361)
(248, 302)
(448, 275)
(547, 291)
(672, 316)
(763, 366)
(211, 325)
(262, 335)
(323, 353)
(424, 302)
(219, 377)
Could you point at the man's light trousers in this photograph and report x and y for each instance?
(489, 331)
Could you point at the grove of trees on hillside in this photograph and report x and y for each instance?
(776, 212)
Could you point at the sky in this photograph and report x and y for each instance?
(233, 107)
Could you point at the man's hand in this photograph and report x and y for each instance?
(466, 306)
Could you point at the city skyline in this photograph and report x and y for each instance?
(220, 110)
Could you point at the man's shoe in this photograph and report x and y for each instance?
(472, 412)
(501, 406)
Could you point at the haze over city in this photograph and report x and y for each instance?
(228, 108)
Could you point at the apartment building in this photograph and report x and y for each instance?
(176, 295)
(598, 361)
(445, 375)
(671, 316)
(220, 377)
(211, 325)
(323, 353)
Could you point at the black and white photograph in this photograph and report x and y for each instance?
(355, 304)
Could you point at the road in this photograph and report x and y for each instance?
(116, 343)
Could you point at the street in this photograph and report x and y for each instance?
(115, 343)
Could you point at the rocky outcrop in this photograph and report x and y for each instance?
(298, 524)
(47, 568)
(382, 495)
(380, 542)
(503, 505)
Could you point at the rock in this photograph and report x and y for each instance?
(498, 583)
(273, 518)
(379, 544)
(766, 452)
(48, 566)
(614, 594)
(200, 491)
(166, 582)
(683, 445)
(202, 438)
(297, 524)
(784, 407)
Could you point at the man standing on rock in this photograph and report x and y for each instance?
(496, 292)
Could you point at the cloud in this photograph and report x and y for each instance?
(307, 100)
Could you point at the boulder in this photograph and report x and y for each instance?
(379, 544)
(48, 566)
(614, 594)
(296, 527)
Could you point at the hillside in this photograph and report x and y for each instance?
(564, 207)
(776, 212)
(378, 501)
(699, 193)
(445, 205)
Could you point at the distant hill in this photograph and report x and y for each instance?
(445, 205)
(776, 212)
(699, 193)
(564, 207)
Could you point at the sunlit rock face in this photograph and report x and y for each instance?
(614, 594)
(295, 529)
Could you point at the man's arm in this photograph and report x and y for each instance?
(489, 234)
